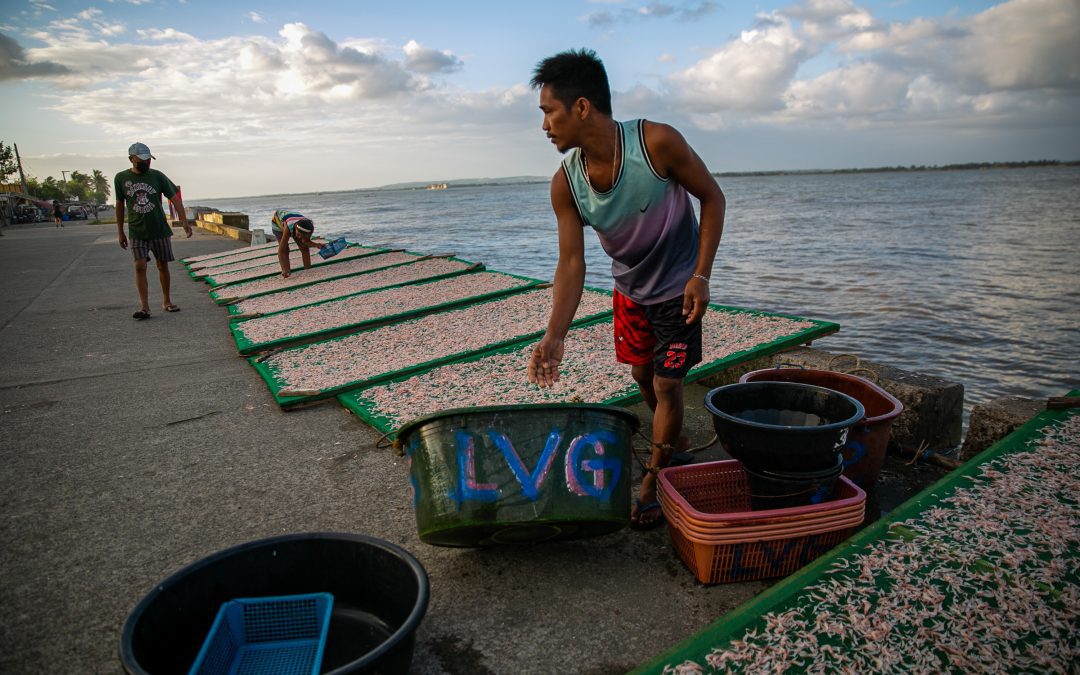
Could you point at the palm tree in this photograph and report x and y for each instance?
(78, 186)
(101, 190)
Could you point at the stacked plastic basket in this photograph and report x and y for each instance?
(721, 540)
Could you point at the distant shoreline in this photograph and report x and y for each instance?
(531, 180)
(1041, 163)
(524, 180)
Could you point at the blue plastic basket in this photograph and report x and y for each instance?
(279, 634)
(333, 248)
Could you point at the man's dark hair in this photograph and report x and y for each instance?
(575, 74)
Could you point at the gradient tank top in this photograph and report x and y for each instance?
(644, 222)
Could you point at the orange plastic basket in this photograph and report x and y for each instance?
(704, 536)
(721, 540)
(716, 494)
(750, 560)
(747, 528)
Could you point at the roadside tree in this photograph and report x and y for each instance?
(49, 189)
(101, 190)
(79, 186)
(8, 166)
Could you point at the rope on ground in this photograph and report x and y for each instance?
(872, 374)
(699, 448)
(924, 453)
(385, 443)
(836, 357)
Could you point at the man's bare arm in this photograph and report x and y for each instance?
(569, 282)
(674, 158)
(120, 224)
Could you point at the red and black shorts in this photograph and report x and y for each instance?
(658, 334)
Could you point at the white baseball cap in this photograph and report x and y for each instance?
(140, 150)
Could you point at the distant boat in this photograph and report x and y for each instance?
(437, 186)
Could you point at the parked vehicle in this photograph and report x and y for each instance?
(26, 213)
(22, 214)
(75, 212)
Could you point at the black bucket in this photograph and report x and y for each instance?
(864, 450)
(782, 426)
(786, 489)
(380, 596)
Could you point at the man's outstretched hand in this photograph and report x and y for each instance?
(544, 362)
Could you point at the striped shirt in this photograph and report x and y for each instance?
(286, 219)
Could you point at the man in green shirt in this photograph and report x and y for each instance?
(138, 193)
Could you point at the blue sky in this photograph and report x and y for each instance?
(242, 98)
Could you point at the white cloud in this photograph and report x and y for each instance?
(421, 60)
(111, 29)
(321, 65)
(749, 73)
(16, 64)
(830, 65)
(1024, 44)
(256, 17)
(1014, 57)
(861, 90)
(287, 90)
(685, 11)
(165, 35)
(258, 57)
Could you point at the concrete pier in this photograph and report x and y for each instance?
(133, 448)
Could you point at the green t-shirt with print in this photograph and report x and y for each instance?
(142, 202)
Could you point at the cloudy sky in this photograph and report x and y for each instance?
(245, 98)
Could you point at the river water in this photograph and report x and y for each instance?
(967, 275)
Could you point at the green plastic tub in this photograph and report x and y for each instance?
(520, 473)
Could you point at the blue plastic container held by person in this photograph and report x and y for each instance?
(333, 248)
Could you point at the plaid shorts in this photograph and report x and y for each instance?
(656, 333)
(162, 248)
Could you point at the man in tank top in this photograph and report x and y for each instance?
(631, 182)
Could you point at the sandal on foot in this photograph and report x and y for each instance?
(635, 518)
(171, 308)
(140, 315)
(680, 459)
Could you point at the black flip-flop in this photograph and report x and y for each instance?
(172, 308)
(681, 459)
(140, 315)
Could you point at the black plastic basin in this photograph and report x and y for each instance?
(864, 450)
(782, 426)
(787, 489)
(380, 596)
